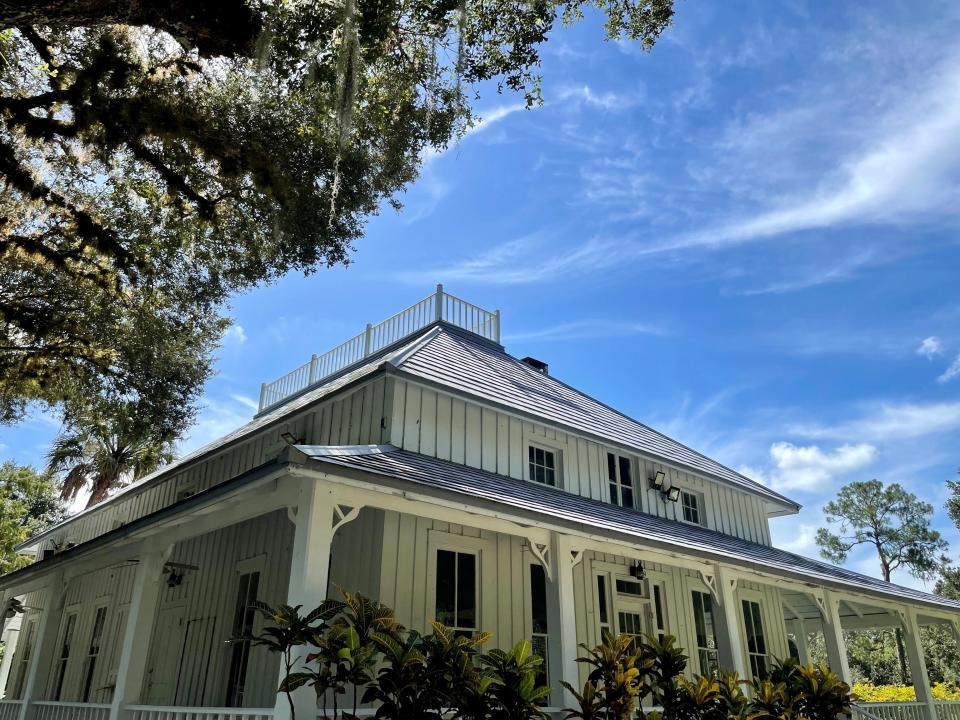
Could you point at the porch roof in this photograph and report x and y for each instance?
(559, 505)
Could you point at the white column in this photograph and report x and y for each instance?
(135, 644)
(918, 664)
(45, 645)
(833, 637)
(562, 620)
(309, 577)
(732, 655)
(800, 637)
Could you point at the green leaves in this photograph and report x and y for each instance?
(30, 504)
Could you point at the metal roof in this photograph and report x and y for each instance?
(560, 505)
(467, 364)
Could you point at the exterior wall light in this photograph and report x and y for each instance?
(658, 480)
(673, 494)
(659, 483)
(637, 570)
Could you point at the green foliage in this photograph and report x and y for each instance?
(30, 504)
(868, 692)
(888, 518)
(144, 183)
(106, 447)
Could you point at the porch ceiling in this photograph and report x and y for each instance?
(482, 487)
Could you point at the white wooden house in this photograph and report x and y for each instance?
(422, 465)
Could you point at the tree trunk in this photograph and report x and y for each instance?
(898, 632)
(214, 27)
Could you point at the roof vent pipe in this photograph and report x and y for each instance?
(539, 365)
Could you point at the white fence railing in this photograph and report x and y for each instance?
(9, 709)
(48, 710)
(157, 712)
(439, 306)
(948, 709)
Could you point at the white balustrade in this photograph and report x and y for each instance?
(48, 710)
(9, 709)
(889, 711)
(948, 709)
(438, 307)
(156, 712)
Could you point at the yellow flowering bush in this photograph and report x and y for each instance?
(865, 692)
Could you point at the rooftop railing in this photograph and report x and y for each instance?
(438, 307)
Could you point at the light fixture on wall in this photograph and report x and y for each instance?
(289, 438)
(174, 578)
(659, 483)
(637, 570)
(175, 572)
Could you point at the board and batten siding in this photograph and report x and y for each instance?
(357, 416)
(441, 425)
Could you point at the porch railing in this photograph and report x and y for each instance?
(158, 712)
(9, 709)
(48, 710)
(948, 709)
(440, 306)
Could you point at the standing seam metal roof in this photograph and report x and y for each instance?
(475, 367)
(402, 465)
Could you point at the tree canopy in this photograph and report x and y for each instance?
(157, 157)
(30, 504)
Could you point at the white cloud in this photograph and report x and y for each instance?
(951, 372)
(584, 330)
(606, 101)
(889, 421)
(235, 333)
(810, 468)
(930, 346)
(244, 400)
(801, 540)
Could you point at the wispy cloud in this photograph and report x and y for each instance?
(889, 421)
(929, 347)
(584, 330)
(244, 400)
(809, 468)
(952, 372)
(604, 100)
(235, 333)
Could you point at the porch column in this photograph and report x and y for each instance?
(45, 645)
(729, 622)
(309, 577)
(10, 638)
(799, 629)
(562, 620)
(833, 637)
(918, 664)
(135, 643)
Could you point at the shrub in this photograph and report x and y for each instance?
(867, 692)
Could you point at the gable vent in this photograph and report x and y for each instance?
(539, 365)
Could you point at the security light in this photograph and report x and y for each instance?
(289, 438)
(637, 570)
(657, 481)
(673, 494)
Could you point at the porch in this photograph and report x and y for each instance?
(173, 589)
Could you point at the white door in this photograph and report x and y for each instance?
(163, 666)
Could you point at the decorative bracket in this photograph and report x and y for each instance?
(292, 514)
(710, 580)
(541, 551)
(822, 607)
(575, 557)
(342, 514)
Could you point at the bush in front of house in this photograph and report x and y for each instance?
(867, 692)
(361, 655)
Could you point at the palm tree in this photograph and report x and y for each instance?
(105, 450)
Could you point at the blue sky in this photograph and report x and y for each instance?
(746, 239)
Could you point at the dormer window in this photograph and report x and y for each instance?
(543, 465)
(692, 507)
(621, 480)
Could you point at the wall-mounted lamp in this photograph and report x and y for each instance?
(175, 572)
(658, 480)
(289, 438)
(659, 483)
(637, 570)
(174, 578)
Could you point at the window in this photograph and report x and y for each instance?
(21, 673)
(543, 465)
(457, 591)
(243, 618)
(604, 604)
(65, 642)
(93, 652)
(691, 507)
(621, 480)
(756, 645)
(538, 606)
(707, 654)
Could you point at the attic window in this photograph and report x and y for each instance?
(692, 507)
(543, 465)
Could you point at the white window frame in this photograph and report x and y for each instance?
(611, 572)
(89, 659)
(752, 596)
(701, 506)
(544, 674)
(247, 566)
(557, 462)
(702, 589)
(61, 664)
(482, 548)
(618, 480)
